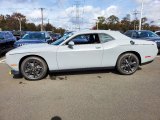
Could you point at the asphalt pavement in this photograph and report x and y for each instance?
(87, 95)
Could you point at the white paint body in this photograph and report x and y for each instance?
(61, 57)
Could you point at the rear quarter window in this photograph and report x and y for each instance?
(105, 38)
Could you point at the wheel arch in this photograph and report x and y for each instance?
(24, 57)
(134, 52)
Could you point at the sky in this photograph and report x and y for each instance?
(62, 13)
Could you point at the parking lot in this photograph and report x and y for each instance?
(91, 95)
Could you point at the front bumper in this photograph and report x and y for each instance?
(14, 72)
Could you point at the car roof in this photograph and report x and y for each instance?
(114, 34)
(36, 32)
(5, 31)
(140, 30)
(96, 31)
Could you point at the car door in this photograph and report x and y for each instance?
(86, 53)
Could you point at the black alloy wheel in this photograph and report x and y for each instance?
(34, 68)
(127, 63)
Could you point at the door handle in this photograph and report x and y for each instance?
(98, 47)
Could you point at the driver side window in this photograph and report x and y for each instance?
(86, 39)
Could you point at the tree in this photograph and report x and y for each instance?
(101, 19)
(101, 23)
(2, 21)
(48, 27)
(59, 30)
(126, 24)
(113, 19)
(144, 20)
(12, 22)
(146, 26)
(31, 27)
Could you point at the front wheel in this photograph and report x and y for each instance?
(33, 68)
(127, 63)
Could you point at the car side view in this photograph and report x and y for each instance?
(91, 49)
(33, 38)
(145, 35)
(6, 41)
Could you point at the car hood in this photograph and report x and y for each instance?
(29, 41)
(33, 48)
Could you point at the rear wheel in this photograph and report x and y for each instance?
(33, 68)
(127, 63)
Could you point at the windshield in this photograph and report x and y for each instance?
(59, 41)
(33, 36)
(142, 34)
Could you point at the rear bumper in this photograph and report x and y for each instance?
(147, 62)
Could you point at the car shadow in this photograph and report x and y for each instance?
(56, 118)
(4, 52)
(2, 55)
(63, 75)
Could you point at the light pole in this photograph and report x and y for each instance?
(140, 21)
(42, 18)
(97, 26)
(20, 22)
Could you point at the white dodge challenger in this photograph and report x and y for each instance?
(91, 49)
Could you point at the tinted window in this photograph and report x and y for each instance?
(62, 39)
(47, 35)
(81, 39)
(128, 33)
(134, 35)
(31, 36)
(11, 35)
(142, 34)
(105, 38)
(7, 35)
(86, 39)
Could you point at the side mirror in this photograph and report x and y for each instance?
(71, 44)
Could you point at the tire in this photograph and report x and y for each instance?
(34, 68)
(127, 63)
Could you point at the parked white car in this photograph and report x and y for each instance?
(82, 50)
